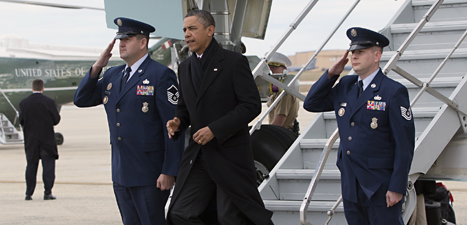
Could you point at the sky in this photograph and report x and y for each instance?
(84, 27)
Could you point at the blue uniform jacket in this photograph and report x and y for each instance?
(377, 133)
(137, 116)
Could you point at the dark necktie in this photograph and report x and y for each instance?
(360, 87)
(125, 77)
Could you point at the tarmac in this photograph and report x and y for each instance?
(83, 185)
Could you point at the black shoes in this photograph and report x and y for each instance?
(28, 198)
(49, 197)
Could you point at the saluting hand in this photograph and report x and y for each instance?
(172, 126)
(165, 182)
(203, 135)
(102, 60)
(392, 198)
(338, 66)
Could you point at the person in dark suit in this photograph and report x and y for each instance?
(376, 130)
(38, 114)
(218, 98)
(139, 98)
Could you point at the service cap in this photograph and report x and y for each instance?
(129, 27)
(363, 38)
(279, 59)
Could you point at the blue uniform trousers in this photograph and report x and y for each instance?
(141, 205)
(368, 212)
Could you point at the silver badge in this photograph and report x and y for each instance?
(406, 113)
(140, 71)
(146, 81)
(374, 123)
(172, 94)
(353, 32)
(373, 85)
(105, 100)
(377, 98)
(341, 111)
(145, 108)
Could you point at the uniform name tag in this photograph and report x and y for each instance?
(145, 90)
(376, 105)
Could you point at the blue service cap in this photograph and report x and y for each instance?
(129, 27)
(363, 38)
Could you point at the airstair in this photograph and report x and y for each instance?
(8, 132)
(428, 54)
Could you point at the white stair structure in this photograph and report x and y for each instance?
(8, 132)
(428, 54)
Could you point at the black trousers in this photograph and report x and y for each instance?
(201, 201)
(48, 174)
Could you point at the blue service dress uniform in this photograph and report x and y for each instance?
(377, 137)
(137, 116)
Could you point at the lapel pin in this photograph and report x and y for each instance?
(373, 85)
(140, 71)
(215, 69)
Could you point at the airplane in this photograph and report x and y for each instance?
(62, 68)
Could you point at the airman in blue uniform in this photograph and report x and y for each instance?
(139, 98)
(376, 129)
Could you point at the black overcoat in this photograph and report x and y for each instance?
(227, 100)
(38, 114)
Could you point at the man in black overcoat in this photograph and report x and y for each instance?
(218, 98)
(38, 114)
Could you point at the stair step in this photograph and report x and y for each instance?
(430, 27)
(448, 11)
(418, 112)
(317, 143)
(306, 174)
(430, 2)
(315, 206)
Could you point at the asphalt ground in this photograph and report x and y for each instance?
(83, 184)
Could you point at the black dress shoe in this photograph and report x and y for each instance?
(28, 198)
(49, 197)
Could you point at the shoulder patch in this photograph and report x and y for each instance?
(172, 94)
(406, 113)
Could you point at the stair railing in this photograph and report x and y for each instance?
(262, 64)
(317, 174)
(288, 87)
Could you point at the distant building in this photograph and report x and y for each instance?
(322, 62)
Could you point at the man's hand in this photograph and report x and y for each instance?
(203, 136)
(392, 198)
(172, 126)
(102, 60)
(165, 182)
(338, 66)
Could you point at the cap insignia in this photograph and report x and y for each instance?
(119, 22)
(353, 32)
